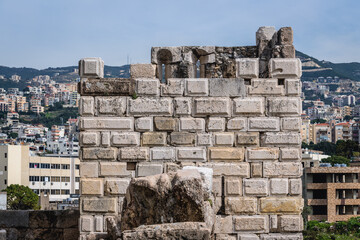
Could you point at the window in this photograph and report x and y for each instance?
(65, 192)
(55, 166)
(5, 168)
(45, 179)
(45, 165)
(55, 192)
(65, 166)
(34, 178)
(77, 191)
(77, 179)
(5, 181)
(77, 166)
(55, 179)
(34, 165)
(36, 191)
(5, 155)
(65, 179)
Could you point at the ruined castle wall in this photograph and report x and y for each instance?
(234, 109)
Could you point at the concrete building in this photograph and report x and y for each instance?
(305, 129)
(57, 176)
(332, 192)
(341, 131)
(320, 133)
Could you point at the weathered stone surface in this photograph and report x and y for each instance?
(265, 86)
(262, 153)
(165, 123)
(281, 205)
(192, 124)
(142, 70)
(237, 124)
(162, 154)
(204, 139)
(254, 106)
(265, 34)
(119, 123)
(196, 87)
(247, 67)
(285, 35)
(112, 87)
(285, 68)
(292, 87)
(99, 223)
(227, 87)
(86, 223)
(282, 169)
(99, 204)
(291, 223)
(183, 230)
(105, 139)
(116, 186)
(257, 224)
(256, 187)
(233, 186)
(182, 139)
(144, 124)
(248, 236)
(89, 169)
(150, 106)
(145, 169)
(279, 186)
(114, 169)
(280, 139)
(174, 87)
(281, 236)
(182, 106)
(134, 154)
(224, 139)
(91, 67)
(114, 106)
(147, 87)
(216, 124)
(92, 186)
(99, 153)
(247, 139)
(223, 224)
(154, 139)
(89, 138)
(291, 124)
(264, 124)
(191, 154)
(295, 186)
(290, 154)
(256, 170)
(86, 106)
(213, 106)
(241, 205)
(241, 169)
(284, 106)
(226, 153)
(172, 197)
(125, 139)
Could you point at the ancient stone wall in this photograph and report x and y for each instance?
(233, 109)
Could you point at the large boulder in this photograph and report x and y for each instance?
(174, 197)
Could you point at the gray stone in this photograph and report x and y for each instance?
(227, 87)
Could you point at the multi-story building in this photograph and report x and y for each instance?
(305, 129)
(355, 132)
(341, 131)
(37, 109)
(332, 192)
(320, 132)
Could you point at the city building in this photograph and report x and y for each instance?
(320, 132)
(341, 131)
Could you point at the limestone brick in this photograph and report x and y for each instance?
(224, 139)
(134, 154)
(262, 153)
(227, 87)
(233, 186)
(204, 139)
(174, 87)
(255, 224)
(114, 106)
(247, 139)
(250, 106)
(196, 87)
(89, 138)
(145, 169)
(282, 169)
(99, 223)
(146, 87)
(223, 224)
(281, 205)
(293, 87)
(264, 86)
(115, 123)
(154, 138)
(191, 154)
(279, 186)
(125, 139)
(89, 169)
(256, 170)
(285, 68)
(143, 106)
(273, 223)
(291, 124)
(99, 205)
(281, 236)
(295, 186)
(106, 86)
(241, 169)
(247, 67)
(165, 123)
(116, 186)
(144, 124)
(284, 106)
(226, 153)
(99, 153)
(248, 236)
(237, 124)
(142, 70)
(91, 67)
(92, 186)
(264, 124)
(192, 124)
(86, 223)
(280, 139)
(241, 205)
(256, 187)
(214, 106)
(182, 138)
(182, 106)
(290, 154)
(216, 124)
(117, 169)
(162, 154)
(86, 106)
(291, 223)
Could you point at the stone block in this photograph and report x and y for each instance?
(285, 68)
(248, 236)
(292, 87)
(204, 139)
(254, 106)
(144, 169)
(237, 124)
(212, 106)
(227, 87)
(256, 187)
(247, 139)
(108, 169)
(121, 139)
(91, 67)
(264, 124)
(255, 224)
(99, 153)
(295, 186)
(105, 139)
(115, 106)
(174, 87)
(241, 169)
(291, 124)
(86, 106)
(154, 139)
(87, 223)
(282, 169)
(279, 186)
(262, 153)
(241, 205)
(89, 169)
(217, 186)
(165, 124)
(273, 223)
(223, 224)
(116, 186)
(147, 87)
(233, 186)
(285, 35)
(196, 87)
(247, 67)
(162, 154)
(281, 236)
(216, 124)
(226, 153)
(144, 124)
(191, 154)
(92, 186)
(280, 139)
(265, 86)
(265, 34)
(89, 138)
(99, 223)
(182, 106)
(192, 124)
(281, 205)
(224, 139)
(108, 123)
(182, 138)
(291, 223)
(142, 70)
(284, 106)
(290, 154)
(256, 170)
(134, 154)
(99, 205)
(150, 106)
(110, 86)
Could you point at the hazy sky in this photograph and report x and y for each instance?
(55, 33)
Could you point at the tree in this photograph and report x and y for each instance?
(21, 197)
(336, 160)
(347, 118)
(13, 135)
(319, 120)
(346, 148)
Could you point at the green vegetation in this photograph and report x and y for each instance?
(319, 120)
(21, 197)
(336, 160)
(349, 230)
(341, 148)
